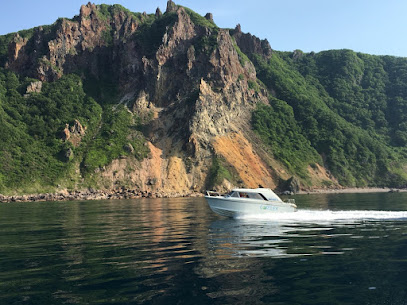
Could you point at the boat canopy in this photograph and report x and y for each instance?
(266, 193)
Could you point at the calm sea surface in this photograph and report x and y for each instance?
(337, 249)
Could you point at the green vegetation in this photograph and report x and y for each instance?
(106, 12)
(4, 43)
(119, 135)
(218, 172)
(31, 127)
(33, 155)
(341, 102)
(200, 20)
(149, 36)
(243, 59)
(48, 31)
(253, 85)
(278, 129)
(207, 43)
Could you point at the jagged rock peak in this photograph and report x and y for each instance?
(209, 16)
(158, 12)
(171, 6)
(86, 10)
(251, 44)
(266, 47)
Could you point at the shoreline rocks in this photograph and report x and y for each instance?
(94, 195)
(353, 190)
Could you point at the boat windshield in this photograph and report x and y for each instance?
(233, 194)
(256, 196)
(249, 195)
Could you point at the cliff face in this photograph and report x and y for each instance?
(187, 78)
(71, 45)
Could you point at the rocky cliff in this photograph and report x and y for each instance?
(190, 83)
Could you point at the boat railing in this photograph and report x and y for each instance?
(212, 194)
(290, 200)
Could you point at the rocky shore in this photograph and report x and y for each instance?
(353, 190)
(92, 194)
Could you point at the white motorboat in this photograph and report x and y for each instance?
(248, 201)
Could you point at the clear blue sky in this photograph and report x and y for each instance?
(368, 26)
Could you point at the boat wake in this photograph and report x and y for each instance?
(318, 216)
(276, 235)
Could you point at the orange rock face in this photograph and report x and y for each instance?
(238, 152)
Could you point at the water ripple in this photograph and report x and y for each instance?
(176, 251)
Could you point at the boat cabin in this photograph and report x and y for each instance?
(238, 194)
(259, 194)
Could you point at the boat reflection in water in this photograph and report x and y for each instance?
(237, 237)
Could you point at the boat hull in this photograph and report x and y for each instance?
(235, 207)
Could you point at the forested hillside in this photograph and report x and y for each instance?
(351, 108)
(35, 155)
(170, 102)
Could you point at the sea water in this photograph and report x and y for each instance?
(336, 249)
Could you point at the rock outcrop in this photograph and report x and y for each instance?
(209, 16)
(34, 87)
(74, 133)
(251, 44)
(186, 79)
(70, 45)
(171, 7)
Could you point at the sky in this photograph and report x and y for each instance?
(369, 26)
